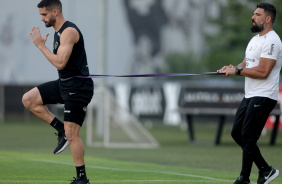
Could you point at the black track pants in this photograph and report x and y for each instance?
(249, 121)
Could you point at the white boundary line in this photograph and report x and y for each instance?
(122, 181)
(205, 179)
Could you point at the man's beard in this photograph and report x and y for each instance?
(50, 23)
(257, 28)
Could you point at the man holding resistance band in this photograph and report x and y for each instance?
(261, 68)
(69, 57)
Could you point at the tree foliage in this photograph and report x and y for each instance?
(228, 45)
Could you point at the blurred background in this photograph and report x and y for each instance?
(180, 117)
(135, 37)
(141, 36)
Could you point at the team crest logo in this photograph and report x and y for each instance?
(56, 45)
(255, 48)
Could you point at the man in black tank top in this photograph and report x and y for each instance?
(69, 57)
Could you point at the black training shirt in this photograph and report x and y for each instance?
(77, 63)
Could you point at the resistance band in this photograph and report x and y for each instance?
(146, 75)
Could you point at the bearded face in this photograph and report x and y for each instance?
(257, 28)
(50, 22)
(47, 17)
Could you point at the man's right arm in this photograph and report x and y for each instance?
(68, 38)
(231, 70)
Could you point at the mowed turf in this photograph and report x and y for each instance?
(41, 168)
(27, 146)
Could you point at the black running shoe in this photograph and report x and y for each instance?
(62, 143)
(267, 177)
(241, 180)
(79, 181)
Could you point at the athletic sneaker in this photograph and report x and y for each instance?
(62, 143)
(78, 180)
(241, 180)
(267, 177)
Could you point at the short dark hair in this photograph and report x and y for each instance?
(50, 4)
(269, 10)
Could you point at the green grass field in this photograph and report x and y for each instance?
(27, 146)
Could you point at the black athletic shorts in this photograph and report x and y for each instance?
(76, 94)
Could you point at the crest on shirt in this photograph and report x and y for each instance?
(271, 49)
(56, 45)
(255, 48)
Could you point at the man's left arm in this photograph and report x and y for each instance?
(261, 71)
(267, 61)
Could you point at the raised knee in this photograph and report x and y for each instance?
(26, 100)
(31, 99)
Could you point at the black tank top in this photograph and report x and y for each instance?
(77, 63)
